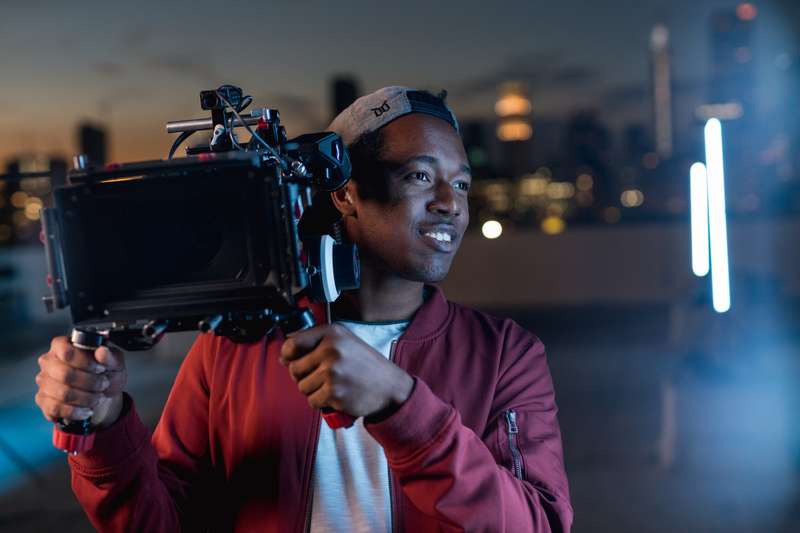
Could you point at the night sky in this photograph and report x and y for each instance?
(133, 66)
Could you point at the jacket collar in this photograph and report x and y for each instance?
(431, 318)
(428, 322)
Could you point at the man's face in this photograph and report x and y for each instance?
(416, 233)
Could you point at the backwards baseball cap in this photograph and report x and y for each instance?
(373, 111)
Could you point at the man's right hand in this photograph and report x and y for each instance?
(77, 384)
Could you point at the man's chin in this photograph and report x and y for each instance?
(423, 269)
(431, 273)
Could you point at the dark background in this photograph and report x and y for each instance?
(581, 120)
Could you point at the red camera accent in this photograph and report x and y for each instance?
(337, 420)
(71, 443)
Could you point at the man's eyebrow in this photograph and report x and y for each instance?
(431, 160)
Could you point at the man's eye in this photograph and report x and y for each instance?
(421, 176)
(463, 185)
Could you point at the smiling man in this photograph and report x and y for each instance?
(456, 426)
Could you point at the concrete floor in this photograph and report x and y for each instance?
(663, 432)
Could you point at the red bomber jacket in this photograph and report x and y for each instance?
(476, 447)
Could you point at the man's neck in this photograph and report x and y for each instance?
(381, 298)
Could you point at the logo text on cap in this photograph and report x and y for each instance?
(382, 109)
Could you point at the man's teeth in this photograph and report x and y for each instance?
(443, 237)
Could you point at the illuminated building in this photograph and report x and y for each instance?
(21, 200)
(662, 91)
(514, 129)
(732, 98)
(587, 143)
(732, 67)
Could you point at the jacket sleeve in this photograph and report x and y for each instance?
(129, 482)
(511, 478)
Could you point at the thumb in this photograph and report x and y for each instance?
(301, 342)
(113, 360)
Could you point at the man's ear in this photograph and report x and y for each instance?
(343, 199)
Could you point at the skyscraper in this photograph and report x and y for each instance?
(732, 66)
(662, 90)
(92, 141)
(732, 99)
(344, 91)
(473, 133)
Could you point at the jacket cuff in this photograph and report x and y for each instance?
(115, 445)
(415, 425)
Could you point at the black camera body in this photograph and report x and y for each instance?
(209, 241)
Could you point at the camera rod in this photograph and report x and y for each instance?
(199, 124)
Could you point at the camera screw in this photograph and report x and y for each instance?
(299, 168)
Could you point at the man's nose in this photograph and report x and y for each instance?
(445, 201)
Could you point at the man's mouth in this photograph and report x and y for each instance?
(439, 239)
(439, 236)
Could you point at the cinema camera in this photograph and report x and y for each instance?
(205, 242)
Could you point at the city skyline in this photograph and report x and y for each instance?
(611, 155)
(149, 72)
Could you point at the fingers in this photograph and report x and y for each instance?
(302, 342)
(74, 357)
(300, 368)
(66, 394)
(328, 395)
(104, 371)
(73, 385)
(306, 353)
(321, 388)
(116, 382)
(54, 410)
(62, 373)
(112, 359)
(312, 382)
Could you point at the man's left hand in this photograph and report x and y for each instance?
(334, 368)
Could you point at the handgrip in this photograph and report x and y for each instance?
(335, 419)
(77, 436)
(301, 320)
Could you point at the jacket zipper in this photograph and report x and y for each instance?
(391, 492)
(513, 430)
(311, 482)
(310, 493)
(307, 529)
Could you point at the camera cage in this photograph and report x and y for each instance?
(253, 285)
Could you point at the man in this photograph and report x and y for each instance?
(457, 425)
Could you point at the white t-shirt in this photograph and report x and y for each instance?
(351, 475)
